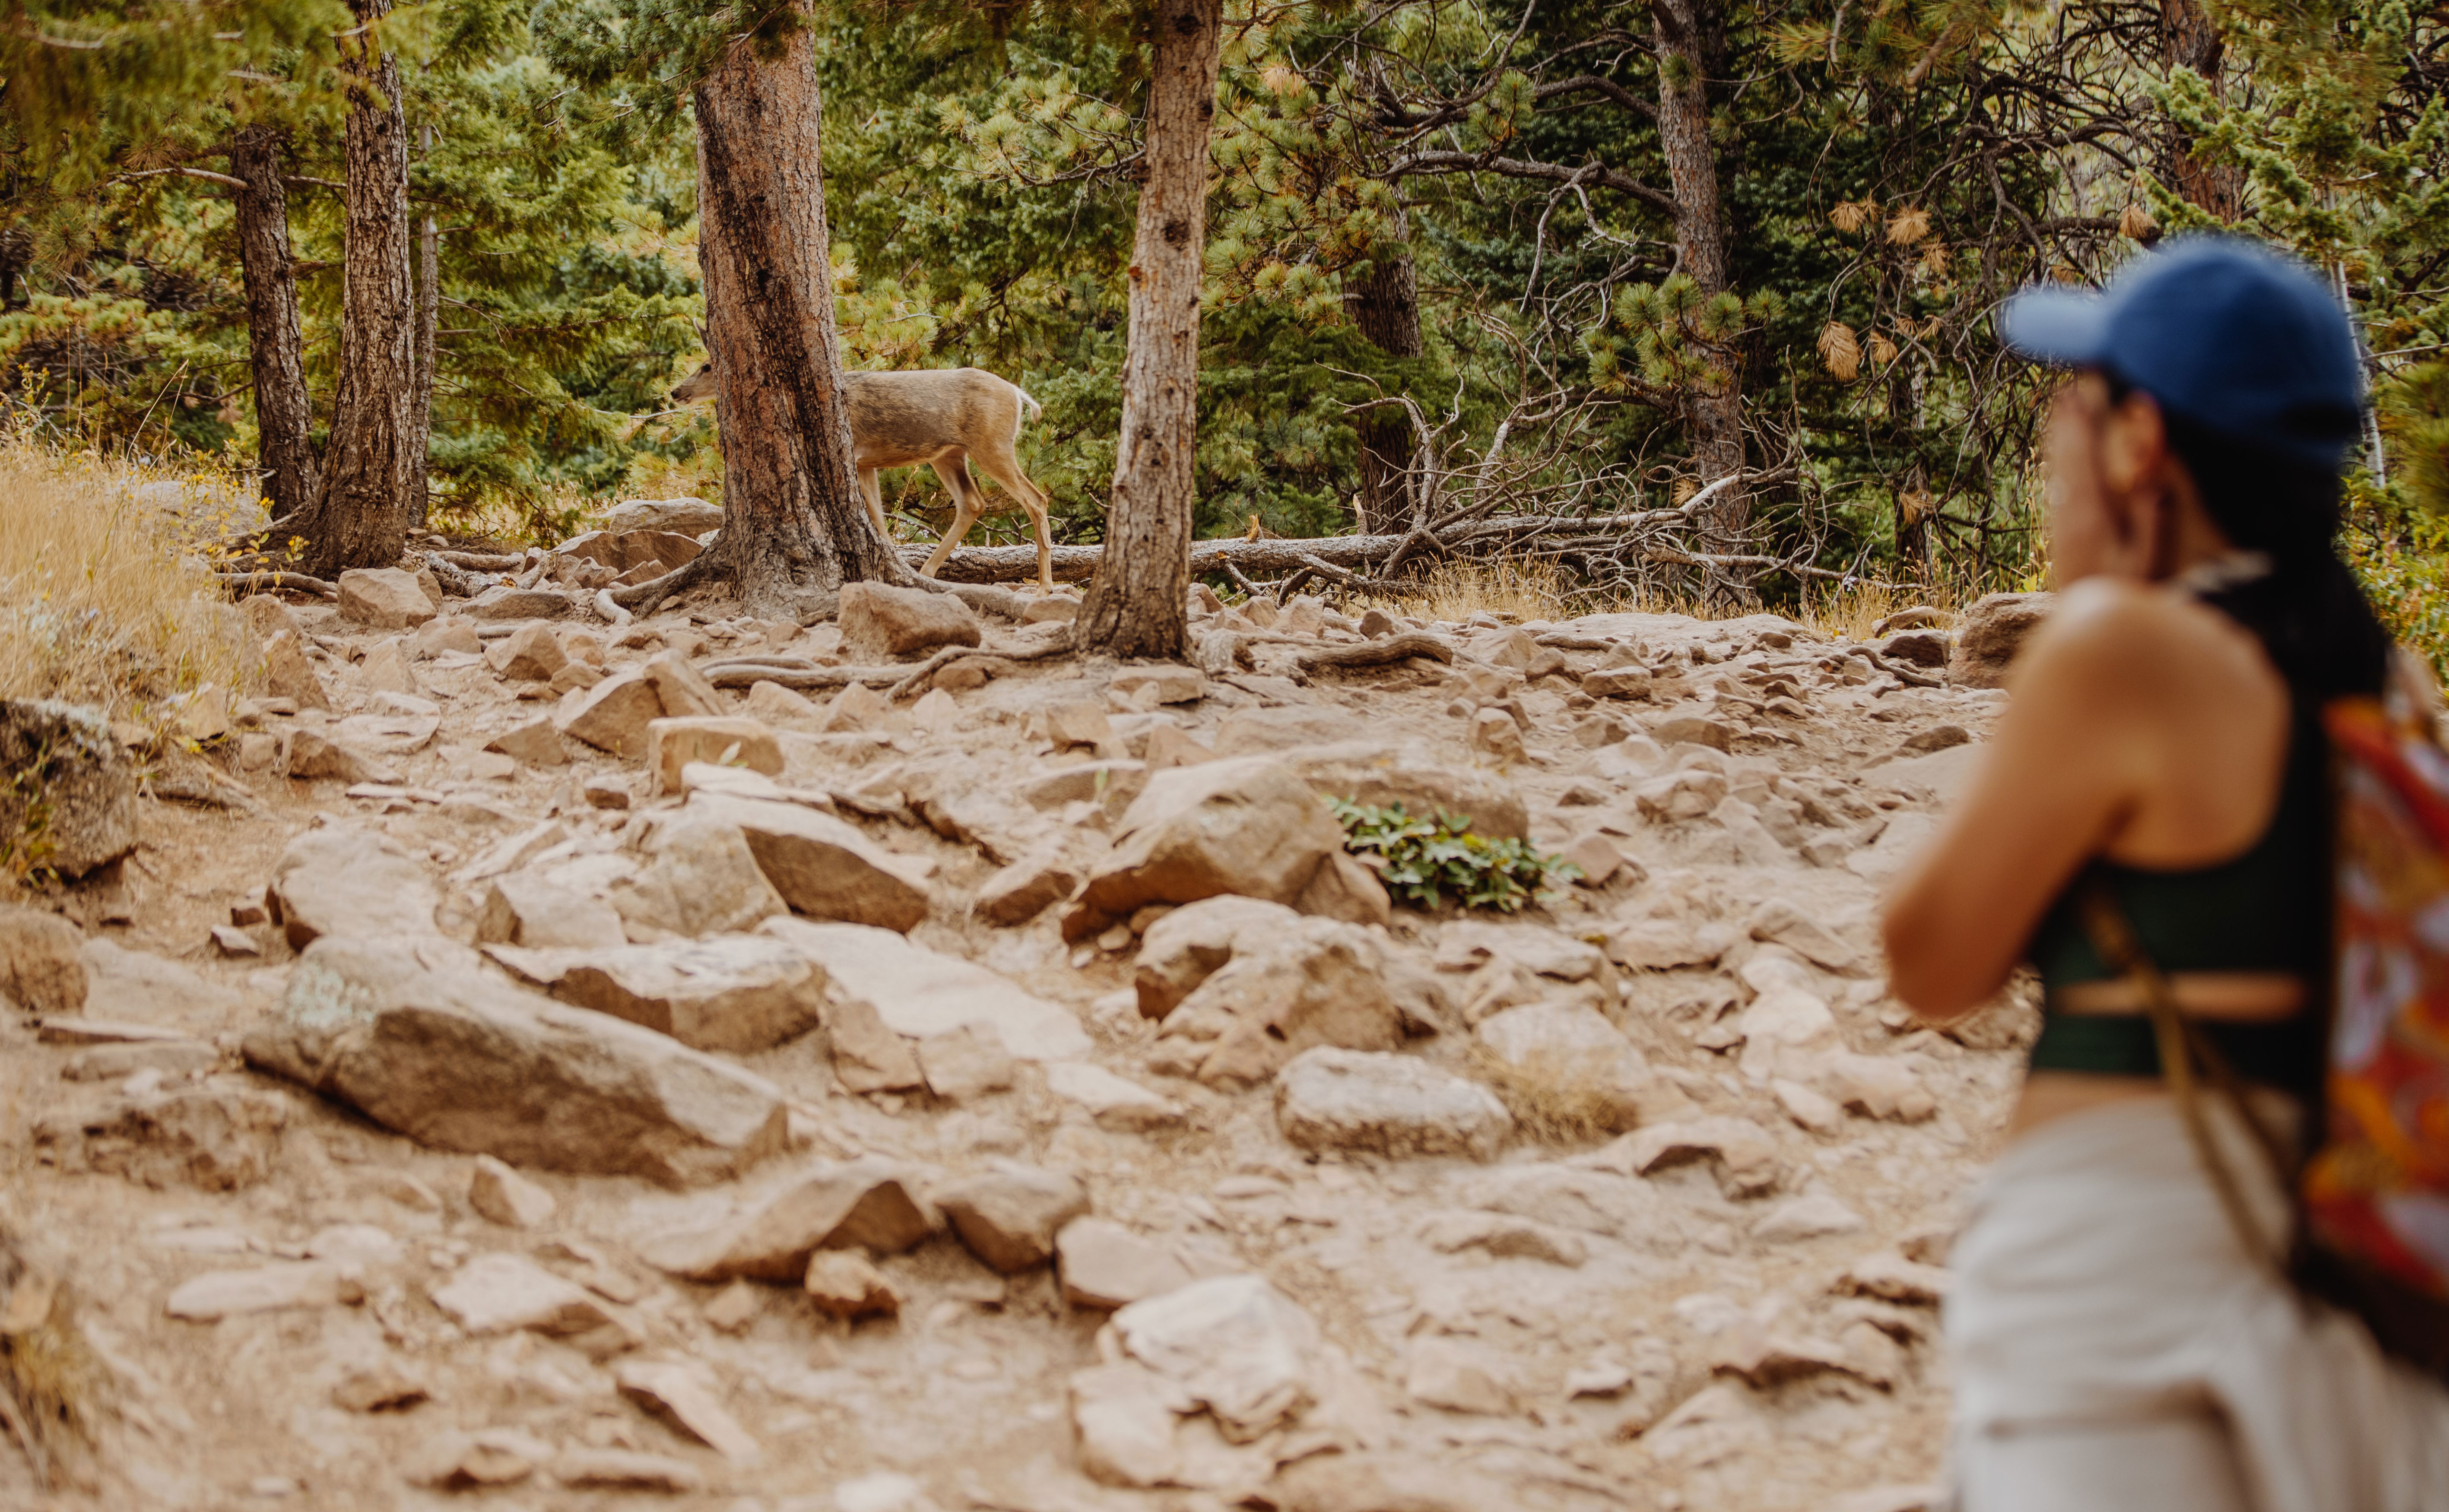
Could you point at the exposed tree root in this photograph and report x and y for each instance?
(294, 581)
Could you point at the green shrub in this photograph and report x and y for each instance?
(1427, 861)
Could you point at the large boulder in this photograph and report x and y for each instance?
(737, 992)
(1989, 634)
(418, 1037)
(342, 880)
(625, 551)
(701, 879)
(1187, 946)
(69, 799)
(1249, 826)
(881, 622)
(1389, 1104)
(920, 994)
(383, 599)
(820, 865)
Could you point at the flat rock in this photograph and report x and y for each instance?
(1009, 1215)
(1026, 888)
(349, 882)
(971, 1061)
(919, 993)
(501, 1294)
(685, 1395)
(217, 1136)
(627, 1469)
(869, 1203)
(688, 517)
(700, 878)
(524, 908)
(1458, 1377)
(820, 865)
(278, 1287)
(1813, 1216)
(728, 740)
(735, 992)
(1105, 1265)
(842, 1284)
(503, 603)
(1187, 945)
(529, 654)
(1234, 1344)
(1113, 1101)
(1392, 1104)
(1317, 982)
(502, 1196)
(421, 1039)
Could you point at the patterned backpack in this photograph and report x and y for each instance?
(2375, 1192)
(2372, 1193)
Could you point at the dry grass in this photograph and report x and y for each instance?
(106, 594)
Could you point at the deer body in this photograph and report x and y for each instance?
(946, 417)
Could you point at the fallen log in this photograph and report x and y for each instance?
(803, 676)
(294, 581)
(484, 560)
(1380, 652)
(1078, 563)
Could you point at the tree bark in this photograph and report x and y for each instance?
(429, 309)
(795, 528)
(1138, 603)
(358, 516)
(1690, 36)
(284, 418)
(1385, 307)
(2189, 39)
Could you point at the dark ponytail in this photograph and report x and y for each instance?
(2309, 612)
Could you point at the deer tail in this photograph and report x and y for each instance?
(1036, 410)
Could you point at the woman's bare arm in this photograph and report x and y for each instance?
(2051, 787)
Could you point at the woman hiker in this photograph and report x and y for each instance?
(2116, 1344)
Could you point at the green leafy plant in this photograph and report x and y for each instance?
(1424, 861)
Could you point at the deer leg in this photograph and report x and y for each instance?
(874, 493)
(1003, 465)
(954, 470)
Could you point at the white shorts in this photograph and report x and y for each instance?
(2115, 1348)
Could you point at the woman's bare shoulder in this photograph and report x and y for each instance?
(2115, 632)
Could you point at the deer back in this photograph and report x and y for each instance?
(900, 418)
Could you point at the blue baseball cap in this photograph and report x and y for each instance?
(2219, 330)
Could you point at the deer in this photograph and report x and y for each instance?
(945, 417)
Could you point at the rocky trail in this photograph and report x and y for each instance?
(698, 1063)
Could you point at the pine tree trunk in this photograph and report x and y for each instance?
(359, 517)
(795, 528)
(429, 309)
(1386, 309)
(1138, 603)
(284, 419)
(2189, 39)
(1690, 36)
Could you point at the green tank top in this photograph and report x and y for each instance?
(2267, 909)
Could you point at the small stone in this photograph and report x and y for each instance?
(501, 1294)
(1455, 1376)
(969, 1063)
(1814, 1216)
(879, 621)
(1504, 1236)
(685, 1395)
(626, 1471)
(849, 1287)
(378, 1389)
(733, 992)
(1123, 1417)
(64, 757)
(780, 707)
(608, 792)
(529, 654)
(1808, 1108)
(1078, 722)
(1920, 649)
(1009, 1216)
(1106, 1265)
(1024, 889)
(277, 1288)
(504, 1197)
(1599, 860)
(672, 744)
(1938, 737)
(856, 708)
(289, 673)
(1234, 1342)
(1494, 732)
(1781, 922)
(864, 1203)
(868, 1057)
(524, 910)
(231, 939)
(1989, 635)
(1616, 682)
(383, 599)
(734, 1307)
(613, 715)
(1392, 1104)
(1714, 734)
(42, 961)
(536, 742)
(1113, 1101)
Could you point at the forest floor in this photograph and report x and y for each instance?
(1693, 1260)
